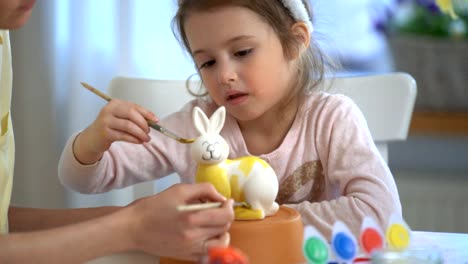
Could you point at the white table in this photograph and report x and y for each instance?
(453, 246)
(126, 258)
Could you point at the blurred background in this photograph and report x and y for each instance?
(67, 42)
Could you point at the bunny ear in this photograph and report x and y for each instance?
(200, 120)
(217, 120)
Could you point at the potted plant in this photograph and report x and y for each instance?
(429, 40)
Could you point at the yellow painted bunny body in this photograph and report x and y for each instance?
(249, 180)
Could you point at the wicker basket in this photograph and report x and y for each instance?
(440, 67)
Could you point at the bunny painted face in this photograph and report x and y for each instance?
(240, 59)
(210, 147)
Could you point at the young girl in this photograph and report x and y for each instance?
(259, 60)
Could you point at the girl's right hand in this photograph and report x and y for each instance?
(117, 121)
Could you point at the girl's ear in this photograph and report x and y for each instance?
(302, 34)
(200, 120)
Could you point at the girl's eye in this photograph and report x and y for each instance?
(243, 52)
(207, 64)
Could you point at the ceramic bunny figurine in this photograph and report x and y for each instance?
(248, 180)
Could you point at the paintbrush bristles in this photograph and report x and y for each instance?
(96, 91)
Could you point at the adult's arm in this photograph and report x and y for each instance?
(151, 224)
(73, 243)
(23, 219)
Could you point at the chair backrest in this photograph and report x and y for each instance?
(163, 97)
(386, 100)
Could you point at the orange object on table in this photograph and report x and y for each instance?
(274, 240)
(227, 255)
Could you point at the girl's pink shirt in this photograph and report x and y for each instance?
(328, 165)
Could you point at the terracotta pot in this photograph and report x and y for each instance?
(274, 240)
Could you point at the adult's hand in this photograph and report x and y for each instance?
(160, 229)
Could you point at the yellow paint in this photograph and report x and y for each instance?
(229, 185)
(236, 192)
(398, 236)
(215, 175)
(262, 162)
(242, 213)
(446, 6)
(247, 163)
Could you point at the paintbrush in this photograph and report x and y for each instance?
(152, 124)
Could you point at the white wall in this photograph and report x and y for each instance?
(33, 112)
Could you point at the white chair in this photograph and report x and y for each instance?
(386, 100)
(160, 96)
(163, 97)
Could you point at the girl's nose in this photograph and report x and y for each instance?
(226, 73)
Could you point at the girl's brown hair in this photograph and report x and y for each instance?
(312, 64)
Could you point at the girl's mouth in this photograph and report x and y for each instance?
(236, 98)
(27, 6)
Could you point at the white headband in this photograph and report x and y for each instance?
(299, 12)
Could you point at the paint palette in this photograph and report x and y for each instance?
(345, 248)
(398, 233)
(371, 237)
(343, 243)
(315, 246)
